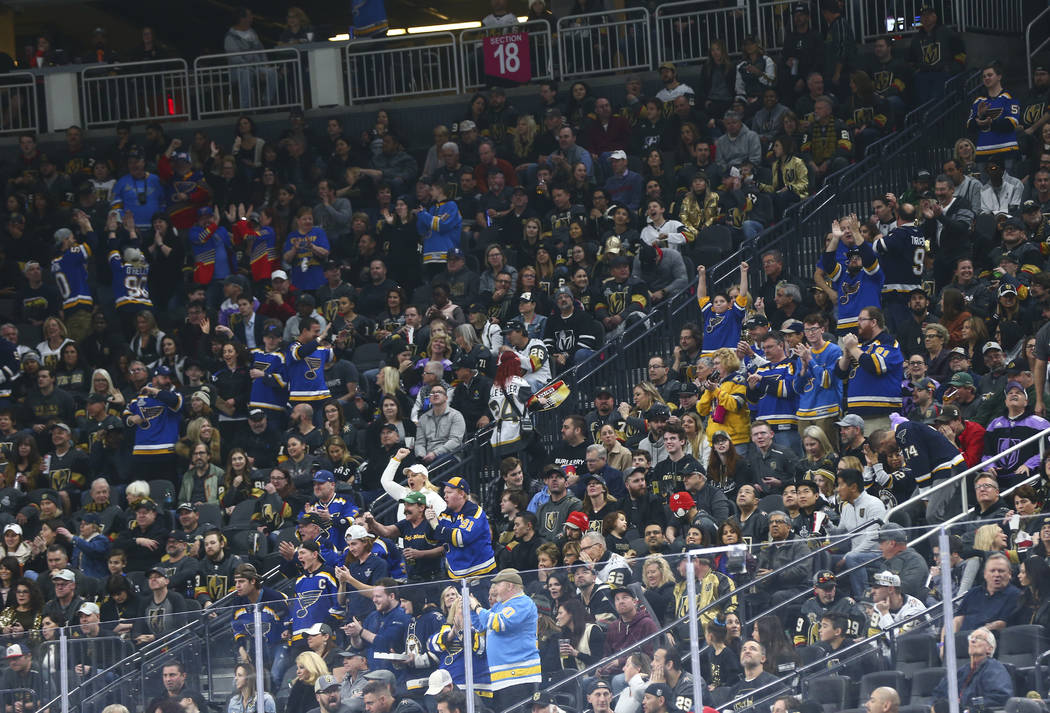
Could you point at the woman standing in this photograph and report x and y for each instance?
(724, 401)
(145, 344)
(232, 389)
(247, 147)
(306, 249)
(401, 244)
(510, 392)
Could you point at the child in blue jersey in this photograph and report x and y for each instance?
(721, 319)
(308, 248)
(859, 285)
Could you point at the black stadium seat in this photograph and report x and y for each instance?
(893, 679)
(917, 649)
(831, 692)
(923, 682)
(1019, 645)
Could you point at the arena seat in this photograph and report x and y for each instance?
(923, 682)
(916, 649)
(831, 692)
(894, 679)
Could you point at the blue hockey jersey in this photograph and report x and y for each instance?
(902, 255)
(510, 642)
(819, 390)
(314, 595)
(1000, 137)
(274, 617)
(304, 369)
(467, 540)
(440, 228)
(130, 283)
(70, 272)
(721, 330)
(928, 455)
(269, 393)
(858, 291)
(159, 430)
(874, 381)
(774, 399)
(447, 646)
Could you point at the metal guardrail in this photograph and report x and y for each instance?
(1042, 23)
(18, 103)
(412, 65)
(541, 51)
(997, 17)
(135, 91)
(598, 43)
(240, 82)
(685, 34)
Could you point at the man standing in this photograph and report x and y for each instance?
(819, 392)
(857, 508)
(552, 514)
(464, 529)
(155, 415)
(510, 628)
(947, 224)
(873, 364)
(441, 428)
(771, 467)
(383, 630)
(771, 390)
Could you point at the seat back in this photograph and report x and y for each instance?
(893, 679)
(809, 654)
(831, 692)
(210, 513)
(1020, 645)
(368, 356)
(916, 649)
(923, 682)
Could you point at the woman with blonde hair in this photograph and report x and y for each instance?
(818, 461)
(991, 538)
(696, 443)
(965, 154)
(645, 395)
(522, 145)
(145, 343)
(659, 581)
(201, 430)
(389, 382)
(724, 400)
(308, 668)
(102, 385)
(56, 336)
(417, 478)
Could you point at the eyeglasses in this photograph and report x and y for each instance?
(865, 319)
(986, 486)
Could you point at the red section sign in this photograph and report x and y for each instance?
(507, 57)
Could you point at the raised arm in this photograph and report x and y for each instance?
(744, 268)
(701, 282)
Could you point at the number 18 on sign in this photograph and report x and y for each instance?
(507, 57)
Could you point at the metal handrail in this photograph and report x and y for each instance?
(1029, 52)
(856, 644)
(165, 641)
(716, 603)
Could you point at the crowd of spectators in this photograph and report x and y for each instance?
(252, 356)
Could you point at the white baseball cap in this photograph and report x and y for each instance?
(278, 275)
(357, 532)
(13, 527)
(437, 682)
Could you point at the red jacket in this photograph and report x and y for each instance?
(971, 442)
(599, 139)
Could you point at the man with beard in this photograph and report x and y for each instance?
(571, 335)
(216, 569)
(873, 364)
(910, 331)
(859, 285)
(162, 611)
(641, 507)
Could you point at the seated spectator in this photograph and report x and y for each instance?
(982, 677)
(992, 605)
